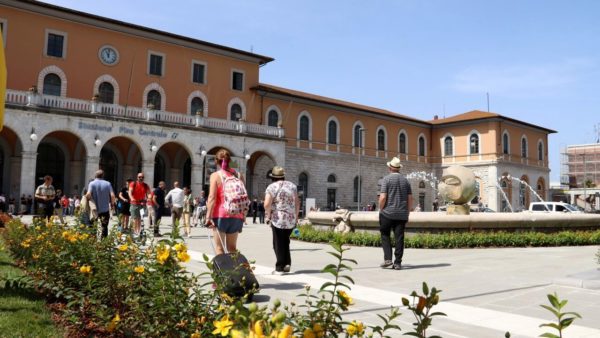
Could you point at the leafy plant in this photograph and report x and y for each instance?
(564, 319)
(421, 308)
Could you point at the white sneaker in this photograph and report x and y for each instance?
(286, 268)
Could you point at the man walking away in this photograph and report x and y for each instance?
(261, 212)
(159, 206)
(395, 203)
(175, 200)
(101, 192)
(254, 210)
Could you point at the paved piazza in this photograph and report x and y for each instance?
(486, 292)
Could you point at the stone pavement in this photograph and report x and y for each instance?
(486, 292)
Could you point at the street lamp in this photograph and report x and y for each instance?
(584, 183)
(359, 192)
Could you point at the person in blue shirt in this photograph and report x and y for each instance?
(101, 192)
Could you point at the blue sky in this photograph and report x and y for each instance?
(538, 59)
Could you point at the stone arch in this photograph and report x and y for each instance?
(204, 99)
(276, 109)
(338, 131)
(540, 187)
(524, 195)
(403, 132)
(310, 124)
(53, 70)
(107, 78)
(242, 105)
(163, 95)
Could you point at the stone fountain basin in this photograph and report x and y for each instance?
(439, 221)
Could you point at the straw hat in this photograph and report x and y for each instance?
(277, 172)
(394, 163)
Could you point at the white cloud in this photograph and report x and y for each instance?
(522, 80)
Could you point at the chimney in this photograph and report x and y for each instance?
(435, 117)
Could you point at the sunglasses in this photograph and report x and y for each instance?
(140, 177)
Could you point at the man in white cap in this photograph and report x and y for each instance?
(395, 203)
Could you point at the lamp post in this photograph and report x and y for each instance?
(359, 192)
(584, 183)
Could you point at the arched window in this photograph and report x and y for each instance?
(540, 151)
(421, 146)
(524, 147)
(422, 185)
(477, 197)
(358, 136)
(448, 146)
(356, 188)
(303, 184)
(304, 128)
(106, 91)
(331, 178)
(273, 118)
(236, 112)
(505, 143)
(197, 107)
(52, 85)
(474, 144)
(332, 132)
(380, 139)
(402, 143)
(154, 98)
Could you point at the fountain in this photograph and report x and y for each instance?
(457, 186)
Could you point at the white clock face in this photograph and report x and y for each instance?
(109, 55)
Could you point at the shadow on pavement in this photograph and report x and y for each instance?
(282, 286)
(305, 271)
(305, 249)
(424, 266)
(261, 298)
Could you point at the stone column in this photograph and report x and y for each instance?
(13, 184)
(77, 179)
(148, 170)
(197, 184)
(92, 164)
(127, 173)
(28, 163)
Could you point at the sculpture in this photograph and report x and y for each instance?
(457, 185)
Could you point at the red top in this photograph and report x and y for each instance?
(138, 193)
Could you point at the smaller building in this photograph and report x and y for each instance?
(580, 172)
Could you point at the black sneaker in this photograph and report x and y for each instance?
(386, 264)
(397, 267)
(157, 234)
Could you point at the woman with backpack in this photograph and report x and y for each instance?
(227, 203)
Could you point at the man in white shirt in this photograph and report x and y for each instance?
(174, 200)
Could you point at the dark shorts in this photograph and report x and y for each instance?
(229, 225)
(125, 209)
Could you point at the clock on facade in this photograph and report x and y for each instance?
(108, 55)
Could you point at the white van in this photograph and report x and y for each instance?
(553, 207)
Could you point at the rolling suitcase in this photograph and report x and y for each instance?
(234, 273)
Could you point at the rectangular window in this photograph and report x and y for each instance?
(237, 81)
(55, 45)
(155, 66)
(198, 70)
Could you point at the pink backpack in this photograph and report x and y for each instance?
(236, 199)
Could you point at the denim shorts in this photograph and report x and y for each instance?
(229, 225)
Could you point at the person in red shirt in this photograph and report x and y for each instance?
(138, 195)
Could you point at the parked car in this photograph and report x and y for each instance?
(553, 207)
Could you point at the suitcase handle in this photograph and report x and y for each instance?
(221, 239)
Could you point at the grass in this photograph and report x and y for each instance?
(23, 312)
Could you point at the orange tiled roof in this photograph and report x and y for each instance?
(468, 116)
(323, 99)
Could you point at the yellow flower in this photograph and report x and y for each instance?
(85, 269)
(345, 298)
(226, 298)
(318, 330)
(84, 236)
(162, 254)
(130, 278)
(222, 326)
(258, 330)
(25, 244)
(139, 269)
(308, 333)
(183, 256)
(239, 334)
(113, 323)
(180, 247)
(196, 335)
(66, 234)
(286, 332)
(123, 247)
(355, 328)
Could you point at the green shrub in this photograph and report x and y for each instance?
(458, 239)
